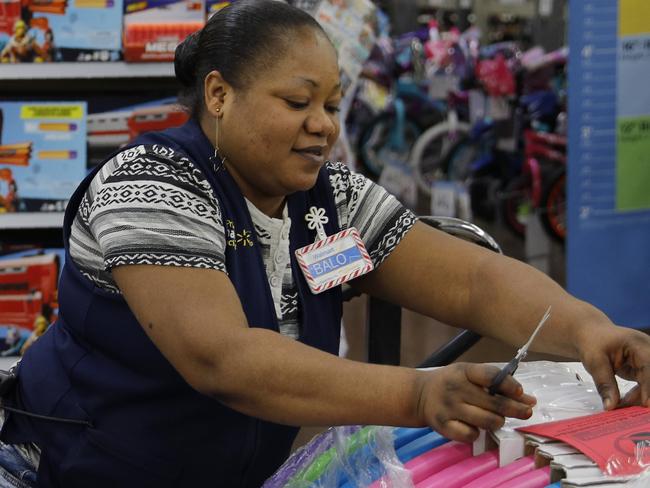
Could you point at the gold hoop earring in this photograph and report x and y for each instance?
(218, 162)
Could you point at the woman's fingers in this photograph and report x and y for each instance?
(502, 405)
(456, 430)
(455, 401)
(483, 375)
(602, 372)
(466, 421)
(631, 398)
(480, 417)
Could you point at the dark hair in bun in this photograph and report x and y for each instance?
(185, 60)
(239, 41)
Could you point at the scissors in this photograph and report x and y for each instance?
(512, 366)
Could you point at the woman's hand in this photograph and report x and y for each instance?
(454, 400)
(609, 350)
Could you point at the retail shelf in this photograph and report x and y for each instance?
(31, 220)
(60, 71)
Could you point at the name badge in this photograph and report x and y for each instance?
(334, 260)
(331, 260)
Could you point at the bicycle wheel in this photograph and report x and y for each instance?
(429, 152)
(458, 159)
(516, 204)
(360, 115)
(374, 148)
(553, 205)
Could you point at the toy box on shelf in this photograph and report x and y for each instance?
(213, 6)
(153, 28)
(42, 156)
(28, 291)
(110, 130)
(60, 30)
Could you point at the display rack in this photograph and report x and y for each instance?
(63, 80)
(42, 229)
(67, 71)
(74, 81)
(31, 220)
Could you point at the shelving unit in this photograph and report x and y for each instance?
(68, 71)
(65, 80)
(41, 229)
(31, 220)
(103, 86)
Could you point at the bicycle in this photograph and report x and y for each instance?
(392, 133)
(413, 109)
(540, 186)
(511, 181)
(444, 142)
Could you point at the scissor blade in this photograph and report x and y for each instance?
(524, 350)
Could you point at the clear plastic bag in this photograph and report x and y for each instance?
(538, 373)
(633, 456)
(560, 393)
(344, 456)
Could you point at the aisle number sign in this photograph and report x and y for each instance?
(608, 250)
(633, 107)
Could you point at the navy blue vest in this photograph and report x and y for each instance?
(149, 427)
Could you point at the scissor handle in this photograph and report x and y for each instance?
(508, 369)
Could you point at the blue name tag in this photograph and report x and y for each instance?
(335, 262)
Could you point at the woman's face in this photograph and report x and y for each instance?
(277, 133)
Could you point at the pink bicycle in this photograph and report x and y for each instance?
(540, 186)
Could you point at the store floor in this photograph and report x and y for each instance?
(421, 335)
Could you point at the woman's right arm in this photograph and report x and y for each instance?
(195, 319)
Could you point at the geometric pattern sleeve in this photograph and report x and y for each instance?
(148, 205)
(382, 221)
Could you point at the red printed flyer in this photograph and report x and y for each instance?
(618, 440)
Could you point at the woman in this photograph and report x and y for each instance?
(189, 341)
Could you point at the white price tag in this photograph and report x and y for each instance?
(545, 8)
(443, 198)
(464, 201)
(499, 108)
(398, 181)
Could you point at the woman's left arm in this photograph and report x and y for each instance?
(464, 285)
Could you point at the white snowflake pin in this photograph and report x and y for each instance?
(316, 218)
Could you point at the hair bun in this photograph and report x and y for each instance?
(185, 59)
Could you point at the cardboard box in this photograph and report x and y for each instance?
(513, 445)
(596, 482)
(42, 155)
(568, 465)
(509, 443)
(213, 6)
(108, 131)
(60, 30)
(28, 290)
(153, 28)
(544, 453)
(574, 465)
(571, 467)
